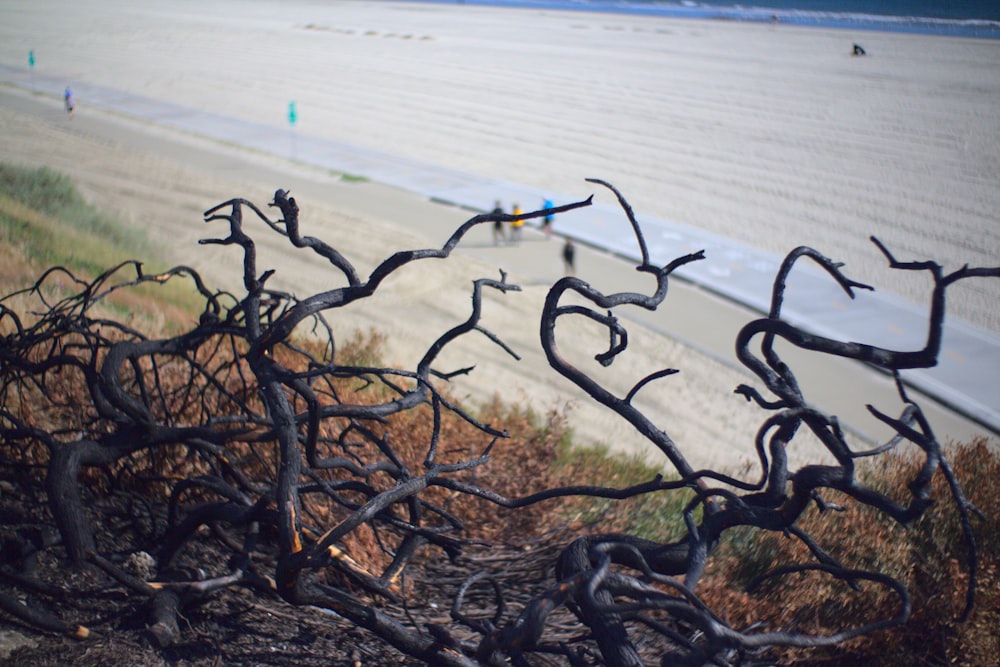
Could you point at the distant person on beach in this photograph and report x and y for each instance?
(547, 220)
(859, 50)
(69, 101)
(516, 225)
(569, 257)
(498, 233)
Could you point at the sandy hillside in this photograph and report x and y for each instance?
(696, 408)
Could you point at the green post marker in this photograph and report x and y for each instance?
(293, 117)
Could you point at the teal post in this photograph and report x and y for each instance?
(293, 117)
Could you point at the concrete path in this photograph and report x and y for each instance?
(967, 379)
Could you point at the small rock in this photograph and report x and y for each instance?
(142, 565)
(10, 641)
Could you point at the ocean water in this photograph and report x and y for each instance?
(959, 18)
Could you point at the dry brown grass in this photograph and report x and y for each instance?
(929, 558)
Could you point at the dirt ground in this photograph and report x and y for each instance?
(233, 627)
(231, 630)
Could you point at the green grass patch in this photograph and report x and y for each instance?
(46, 240)
(654, 516)
(45, 222)
(54, 196)
(352, 178)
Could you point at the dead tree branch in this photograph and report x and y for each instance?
(242, 431)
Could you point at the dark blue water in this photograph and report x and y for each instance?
(961, 18)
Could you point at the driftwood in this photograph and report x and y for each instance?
(265, 455)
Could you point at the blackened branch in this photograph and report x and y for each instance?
(307, 475)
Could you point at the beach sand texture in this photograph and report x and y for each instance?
(697, 407)
(771, 135)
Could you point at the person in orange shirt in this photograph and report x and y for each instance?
(516, 226)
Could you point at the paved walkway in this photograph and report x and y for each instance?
(966, 378)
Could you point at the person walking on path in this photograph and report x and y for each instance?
(516, 226)
(498, 232)
(569, 257)
(69, 101)
(547, 220)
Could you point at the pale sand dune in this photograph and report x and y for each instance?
(697, 408)
(772, 135)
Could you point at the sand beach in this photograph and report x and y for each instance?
(769, 134)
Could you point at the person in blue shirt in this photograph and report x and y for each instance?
(548, 219)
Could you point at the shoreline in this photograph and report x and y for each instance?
(973, 28)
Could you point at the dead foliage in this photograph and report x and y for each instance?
(253, 462)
